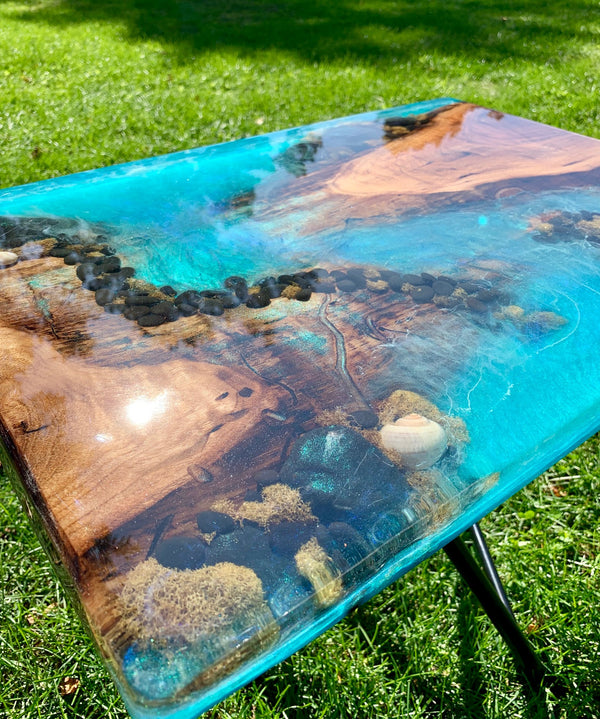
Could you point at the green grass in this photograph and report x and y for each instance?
(85, 84)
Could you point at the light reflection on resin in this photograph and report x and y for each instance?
(254, 383)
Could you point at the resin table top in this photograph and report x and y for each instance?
(244, 387)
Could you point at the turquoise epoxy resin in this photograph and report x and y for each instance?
(247, 386)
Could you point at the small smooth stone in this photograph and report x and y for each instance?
(442, 288)
(394, 279)
(346, 286)
(93, 284)
(199, 473)
(324, 506)
(168, 290)
(245, 392)
(247, 546)
(285, 280)
(132, 313)
(449, 280)
(304, 295)
(415, 280)
(60, 251)
(358, 277)
(189, 297)
(422, 294)
(186, 310)
(266, 477)
(365, 419)
(86, 270)
(238, 285)
(150, 320)
(427, 278)
(210, 306)
(476, 305)
(230, 300)
(470, 287)
(8, 259)
(181, 552)
(323, 286)
(72, 258)
(139, 300)
(210, 521)
(104, 296)
(109, 264)
(165, 309)
(260, 299)
(286, 538)
(487, 295)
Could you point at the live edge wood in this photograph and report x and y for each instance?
(112, 422)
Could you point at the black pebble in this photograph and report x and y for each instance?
(258, 299)
(394, 279)
(210, 306)
(210, 521)
(238, 285)
(266, 477)
(104, 296)
(365, 418)
(60, 252)
(150, 320)
(245, 392)
(415, 280)
(470, 287)
(166, 309)
(141, 300)
(487, 295)
(109, 264)
(476, 305)
(86, 270)
(72, 258)
(132, 313)
(168, 290)
(304, 295)
(427, 278)
(449, 280)
(230, 300)
(422, 294)
(442, 288)
(286, 538)
(346, 286)
(186, 310)
(181, 553)
(358, 277)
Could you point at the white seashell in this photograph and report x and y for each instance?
(8, 259)
(419, 441)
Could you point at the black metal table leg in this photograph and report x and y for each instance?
(496, 605)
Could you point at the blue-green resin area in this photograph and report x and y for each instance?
(509, 365)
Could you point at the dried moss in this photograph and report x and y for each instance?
(316, 566)
(377, 285)
(280, 503)
(166, 605)
(335, 416)
(291, 291)
(403, 402)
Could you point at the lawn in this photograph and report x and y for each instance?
(86, 84)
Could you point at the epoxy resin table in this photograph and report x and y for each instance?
(245, 387)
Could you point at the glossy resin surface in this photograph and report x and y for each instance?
(246, 386)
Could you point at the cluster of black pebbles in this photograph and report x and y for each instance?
(115, 288)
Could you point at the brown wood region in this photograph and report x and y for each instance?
(462, 152)
(119, 428)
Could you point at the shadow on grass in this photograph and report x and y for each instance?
(372, 31)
